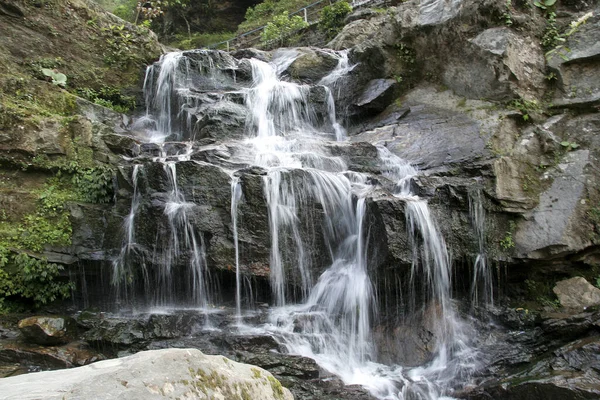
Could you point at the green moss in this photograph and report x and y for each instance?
(276, 387)
(256, 373)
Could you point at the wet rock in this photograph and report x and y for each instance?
(142, 376)
(431, 136)
(120, 332)
(283, 364)
(570, 372)
(48, 330)
(577, 293)
(252, 53)
(121, 144)
(221, 120)
(311, 65)
(102, 115)
(35, 357)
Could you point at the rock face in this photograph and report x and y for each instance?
(48, 330)
(577, 293)
(159, 374)
(575, 65)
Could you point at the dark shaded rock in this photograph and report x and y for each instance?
(121, 144)
(118, 333)
(48, 357)
(252, 53)
(48, 330)
(11, 10)
(570, 372)
(377, 95)
(283, 364)
(221, 120)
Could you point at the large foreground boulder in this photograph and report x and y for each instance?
(156, 374)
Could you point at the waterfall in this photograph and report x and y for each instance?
(121, 265)
(236, 194)
(431, 268)
(324, 303)
(482, 289)
(183, 241)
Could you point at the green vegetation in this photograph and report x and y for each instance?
(541, 292)
(199, 40)
(525, 107)
(110, 97)
(544, 4)
(282, 27)
(30, 278)
(507, 242)
(507, 15)
(263, 13)
(58, 78)
(568, 146)
(551, 36)
(332, 18)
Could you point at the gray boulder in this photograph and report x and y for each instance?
(577, 293)
(555, 225)
(157, 374)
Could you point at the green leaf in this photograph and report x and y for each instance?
(549, 3)
(47, 72)
(565, 144)
(59, 79)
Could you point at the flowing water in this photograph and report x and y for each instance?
(482, 290)
(327, 317)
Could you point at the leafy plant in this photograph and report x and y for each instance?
(23, 277)
(58, 78)
(507, 242)
(544, 4)
(94, 184)
(525, 107)
(282, 26)
(332, 17)
(109, 97)
(551, 34)
(569, 145)
(264, 12)
(507, 16)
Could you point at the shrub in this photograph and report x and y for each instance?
(332, 18)
(282, 26)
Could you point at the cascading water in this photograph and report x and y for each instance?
(121, 272)
(327, 317)
(183, 241)
(482, 290)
